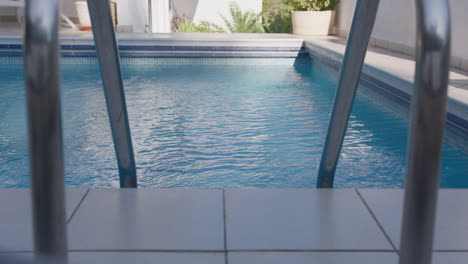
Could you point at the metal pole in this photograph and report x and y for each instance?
(358, 39)
(150, 16)
(108, 55)
(428, 113)
(41, 61)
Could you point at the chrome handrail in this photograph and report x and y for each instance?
(42, 82)
(109, 62)
(428, 114)
(358, 39)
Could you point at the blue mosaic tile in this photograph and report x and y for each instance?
(205, 54)
(11, 46)
(11, 53)
(123, 47)
(65, 47)
(67, 53)
(178, 48)
(209, 61)
(457, 121)
(15, 46)
(84, 53)
(204, 48)
(183, 47)
(83, 47)
(376, 83)
(386, 86)
(248, 48)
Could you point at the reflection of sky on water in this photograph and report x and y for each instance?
(215, 126)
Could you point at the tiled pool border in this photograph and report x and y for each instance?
(380, 80)
(187, 51)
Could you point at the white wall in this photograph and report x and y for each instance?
(161, 18)
(133, 12)
(459, 28)
(396, 22)
(68, 7)
(210, 10)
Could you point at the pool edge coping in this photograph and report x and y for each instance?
(457, 110)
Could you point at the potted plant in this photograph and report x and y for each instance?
(313, 17)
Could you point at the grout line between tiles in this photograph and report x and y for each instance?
(149, 250)
(16, 252)
(226, 261)
(450, 250)
(78, 205)
(315, 250)
(235, 250)
(377, 221)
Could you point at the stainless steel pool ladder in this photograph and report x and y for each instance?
(41, 58)
(427, 121)
(109, 62)
(41, 62)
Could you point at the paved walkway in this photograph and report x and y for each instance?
(236, 225)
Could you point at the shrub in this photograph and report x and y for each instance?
(242, 21)
(239, 22)
(315, 5)
(186, 25)
(276, 16)
(206, 26)
(183, 25)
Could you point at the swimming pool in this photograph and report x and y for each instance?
(220, 124)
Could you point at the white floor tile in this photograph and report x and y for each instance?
(300, 219)
(236, 258)
(147, 258)
(149, 219)
(312, 257)
(16, 220)
(16, 258)
(452, 215)
(450, 258)
(125, 258)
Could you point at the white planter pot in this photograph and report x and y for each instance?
(318, 23)
(83, 13)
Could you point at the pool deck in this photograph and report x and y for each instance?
(235, 226)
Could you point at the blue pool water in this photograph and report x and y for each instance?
(215, 125)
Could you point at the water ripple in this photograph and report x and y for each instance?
(215, 126)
